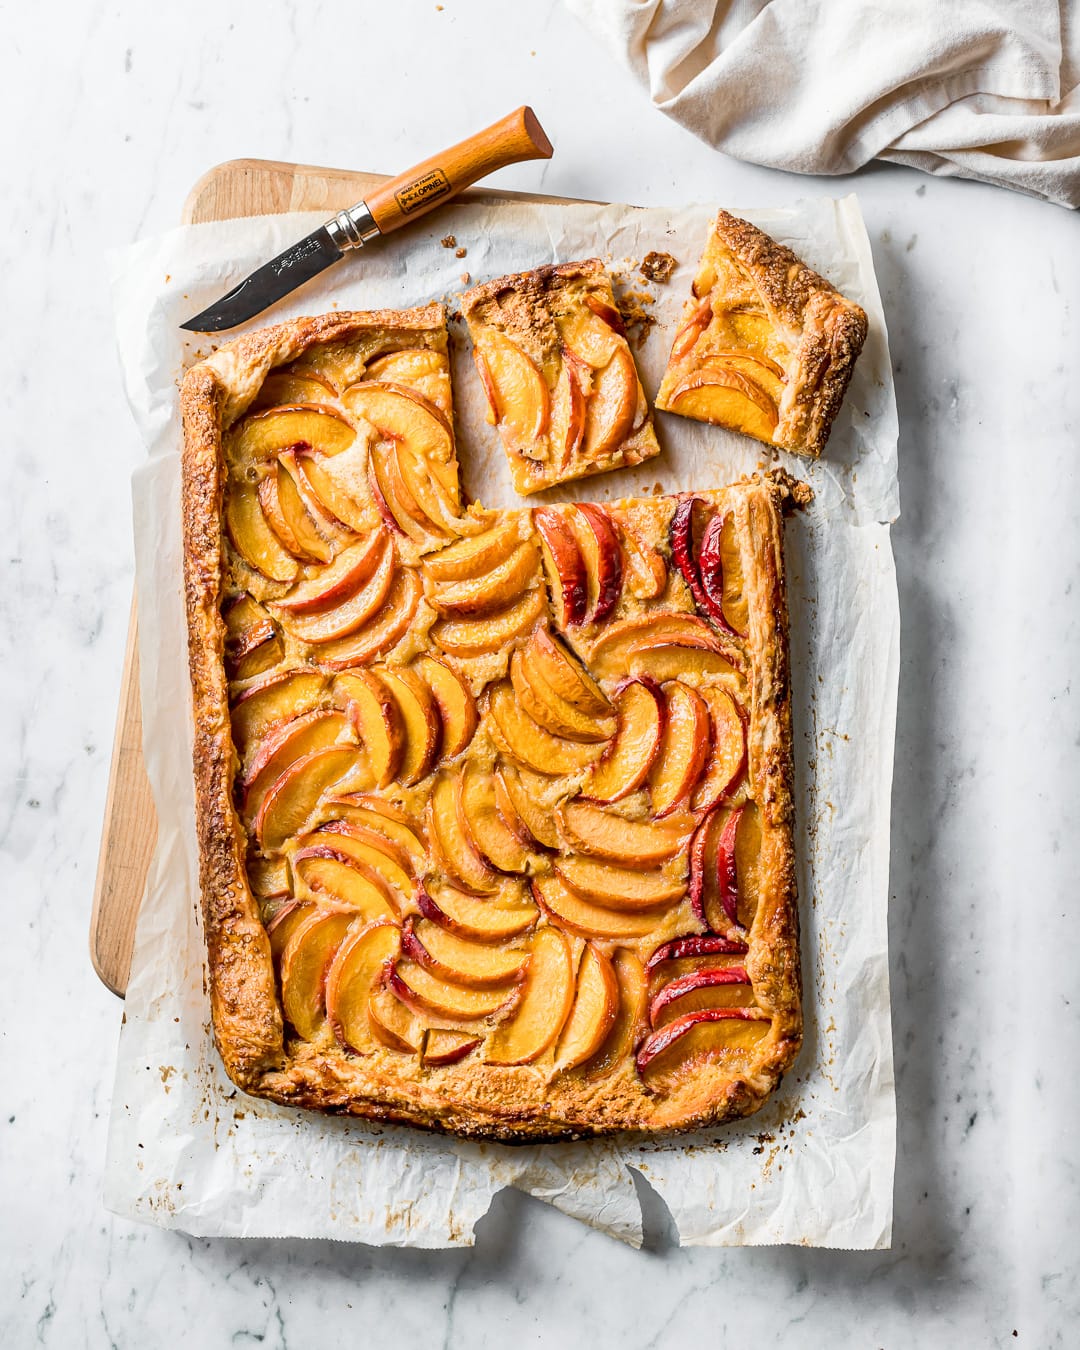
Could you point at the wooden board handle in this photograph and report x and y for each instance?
(519, 136)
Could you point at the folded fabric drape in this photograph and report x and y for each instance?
(985, 89)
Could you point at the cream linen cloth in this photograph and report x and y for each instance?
(986, 89)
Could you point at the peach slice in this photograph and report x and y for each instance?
(633, 995)
(375, 716)
(353, 974)
(455, 703)
(725, 1030)
(550, 709)
(277, 699)
(728, 399)
(341, 620)
(618, 887)
(592, 338)
(648, 573)
(378, 858)
(247, 627)
(305, 962)
(499, 588)
(571, 395)
(452, 846)
(390, 1021)
(476, 637)
(383, 632)
(383, 818)
(446, 1046)
(752, 329)
(419, 718)
(728, 756)
(580, 916)
(609, 414)
(402, 415)
(357, 824)
(717, 986)
(602, 554)
(259, 660)
(561, 669)
(459, 961)
(334, 483)
(342, 579)
(747, 861)
(426, 993)
(332, 875)
(519, 737)
(684, 550)
(288, 519)
(263, 435)
(497, 844)
(285, 922)
(395, 503)
(596, 1004)
(301, 495)
(757, 367)
(268, 877)
(283, 387)
(654, 657)
(684, 749)
(283, 745)
(714, 872)
(722, 573)
(410, 363)
(546, 999)
(491, 920)
(564, 566)
(517, 801)
(697, 944)
(516, 391)
(692, 328)
(475, 556)
(639, 845)
(613, 654)
(440, 503)
(252, 537)
(629, 757)
(291, 802)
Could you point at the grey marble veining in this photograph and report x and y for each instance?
(110, 113)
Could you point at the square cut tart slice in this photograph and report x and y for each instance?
(766, 346)
(561, 383)
(494, 808)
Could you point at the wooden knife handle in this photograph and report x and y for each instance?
(414, 193)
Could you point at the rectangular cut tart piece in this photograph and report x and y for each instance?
(766, 345)
(494, 808)
(561, 383)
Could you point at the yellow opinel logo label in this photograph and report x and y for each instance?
(427, 188)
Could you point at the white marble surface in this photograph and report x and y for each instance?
(110, 112)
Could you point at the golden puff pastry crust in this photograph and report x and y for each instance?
(766, 347)
(561, 382)
(494, 808)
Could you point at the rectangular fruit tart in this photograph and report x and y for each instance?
(494, 807)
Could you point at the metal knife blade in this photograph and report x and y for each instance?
(267, 284)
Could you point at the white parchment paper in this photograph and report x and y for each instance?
(815, 1166)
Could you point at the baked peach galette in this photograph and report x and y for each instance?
(766, 346)
(494, 807)
(560, 379)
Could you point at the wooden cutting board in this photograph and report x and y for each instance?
(240, 187)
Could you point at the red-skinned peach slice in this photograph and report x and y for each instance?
(570, 911)
(376, 719)
(376, 832)
(283, 387)
(354, 973)
(487, 920)
(520, 807)
(564, 566)
(291, 801)
(715, 977)
(618, 887)
(426, 993)
(252, 537)
(368, 851)
(673, 1033)
(375, 813)
(697, 944)
(561, 669)
(692, 328)
(334, 876)
(609, 414)
(520, 737)
(475, 556)
(602, 554)
(550, 709)
(419, 718)
(685, 552)
(263, 435)
(640, 845)
(490, 632)
(452, 846)
(714, 893)
(607, 313)
(629, 1017)
(443, 1046)
(519, 399)
(499, 588)
(285, 743)
(629, 756)
(274, 701)
(335, 584)
(459, 961)
(305, 962)
(496, 843)
(454, 701)
(684, 749)
(390, 1021)
(546, 1000)
(595, 1006)
(721, 573)
(383, 632)
(572, 396)
(344, 619)
(726, 398)
(728, 757)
